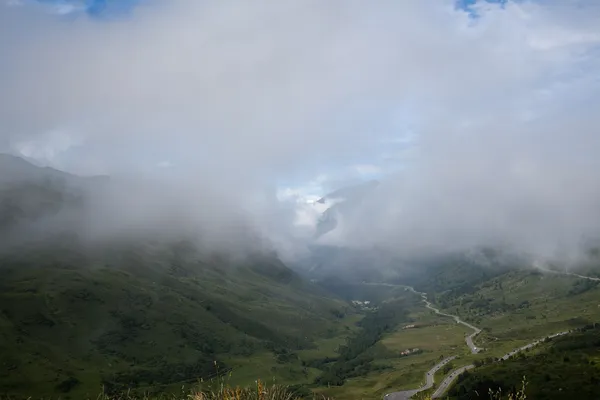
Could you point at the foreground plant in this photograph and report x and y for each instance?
(260, 392)
(518, 395)
(222, 391)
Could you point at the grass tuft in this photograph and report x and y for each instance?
(260, 391)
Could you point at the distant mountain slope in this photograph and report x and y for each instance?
(327, 261)
(457, 271)
(16, 169)
(349, 264)
(341, 203)
(32, 195)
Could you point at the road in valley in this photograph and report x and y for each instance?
(429, 381)
(454, 374)
(450, 378)
(541, 267)
(448, 381)
(430, 375)
(468, 339)
(530, 345)
(590, 278)
(445, 384)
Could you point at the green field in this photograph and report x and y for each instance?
(514, 308)
(522, 306)
(436, 337)
(156, 331)
(519, 307)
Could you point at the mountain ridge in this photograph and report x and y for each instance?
(342, 202)
(18, 169)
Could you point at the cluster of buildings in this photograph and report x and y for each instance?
(408, 352)
(365, 305)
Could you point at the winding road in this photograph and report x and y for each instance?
(551, 271)
(429, 381)
(430, 375)
(583, 276)
(450, 378)
(439, 392)
(445, 384)
(468, 339)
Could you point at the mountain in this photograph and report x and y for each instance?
(146, 313)
(34, 200)
(328, 262)
(457, 271)
(18, 170)
(340, 204)
(348, 264)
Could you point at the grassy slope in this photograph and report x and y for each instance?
(436, 336)
(455, 272)
(366, 357)
(513, 303)
(71, 323)
(517, 307)
(564, 368)
(514, 307)
(521, 306)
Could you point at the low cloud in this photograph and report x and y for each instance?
(501, 111)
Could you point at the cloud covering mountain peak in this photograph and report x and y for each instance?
(500, 110)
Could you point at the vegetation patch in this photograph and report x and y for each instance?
(566, 367)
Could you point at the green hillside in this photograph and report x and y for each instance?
(566, 367)
(522, 305)
(152, 314)
(148, 314)
(513, 303)
(71, 322)
(456, 272)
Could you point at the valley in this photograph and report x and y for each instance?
(73, 322)
(554, 304)
(299, 200)
(154, 314)
(122, 327)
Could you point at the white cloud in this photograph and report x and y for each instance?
(164, 164)
(367, 170)
(48, 147)
(14, 3)
(306, 208)
(240, 95)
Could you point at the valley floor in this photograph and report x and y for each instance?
(512, 311)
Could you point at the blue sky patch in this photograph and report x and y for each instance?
(95, 8)
(467, 5)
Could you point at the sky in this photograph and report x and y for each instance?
(479, 117)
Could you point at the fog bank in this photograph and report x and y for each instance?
(482, 126)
